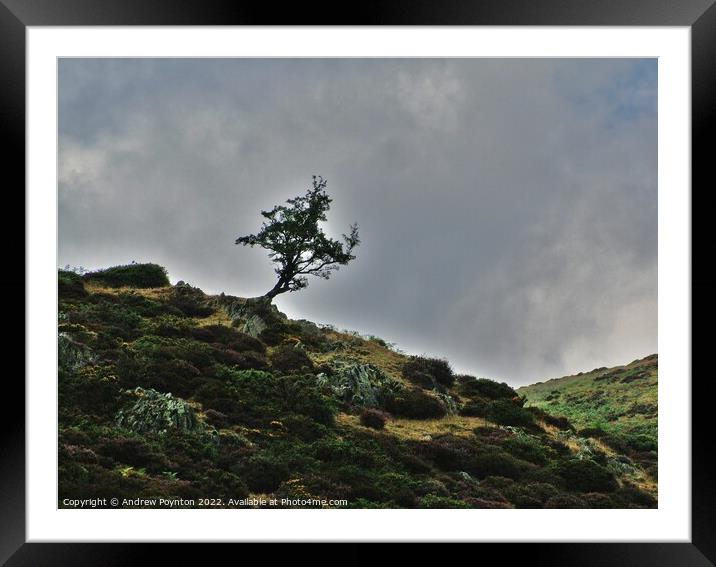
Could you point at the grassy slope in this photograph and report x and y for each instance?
(409, 463)
(621, 401)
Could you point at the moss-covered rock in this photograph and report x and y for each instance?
(73, 355)
(361, 385)
(155, 412)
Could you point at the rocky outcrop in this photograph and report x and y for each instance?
(251, 315)
(362, 385)
(73, 355)
(155, 412)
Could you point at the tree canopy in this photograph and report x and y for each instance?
(297, 244)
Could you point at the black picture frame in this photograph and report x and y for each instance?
(699, 15)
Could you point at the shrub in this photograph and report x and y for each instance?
(585, 476)
(133, 451)
(263, 473)
(373, 418)
(598, 500)
(398, 488)
(131, 275)
(506, 412)
(448, 452)
(475, 408)
(93, 389)
(527, 449)
(414, 404)
(70, 286)
(169, 326)
(242, 360)
(243, 342)
(189, 306)
(273, 335)
(630, 496)
(304, 427)
(492, 461)
(428, 372)
(471, 387)
(288, 359)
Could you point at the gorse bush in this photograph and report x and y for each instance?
(506, 412)
(130, 275)
(428, 372)
(415, 404)
(469, 386)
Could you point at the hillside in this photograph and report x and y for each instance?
(616, 405)
(169, 397)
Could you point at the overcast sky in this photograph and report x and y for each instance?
(507, 207)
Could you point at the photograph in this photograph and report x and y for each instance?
(357, 283)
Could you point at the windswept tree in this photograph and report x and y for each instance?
(296, 242)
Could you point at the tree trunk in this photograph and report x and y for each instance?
(280, 287)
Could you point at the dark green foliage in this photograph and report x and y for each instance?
(225, 420)
(254, 397)
(527, 449)
(373, 418)
(303, 427)
(472, 387)
(428, 372)
(131, 275)
(169, 326)
(297, 244)
(226, 336)
(242, 360)
(190, 305)
(93, 389)
(289, 359)
(273, 335)
(243, 342)
(584, 476)
(506, 412)
(478, 407)
(630, 496)
(133, 451)
(263, 473)
(494, 461)
(452, 453)
(70, 286)
(414, 404)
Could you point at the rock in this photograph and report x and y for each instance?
(361, 385)
(73, 355)
(253, 326)
(155, 412)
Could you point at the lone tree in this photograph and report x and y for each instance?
(297, 245)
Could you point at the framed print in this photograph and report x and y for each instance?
(424, 275)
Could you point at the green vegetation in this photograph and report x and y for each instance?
(131, 275)
(166, 392)
(617, 406)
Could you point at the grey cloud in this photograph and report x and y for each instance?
(507, 207)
